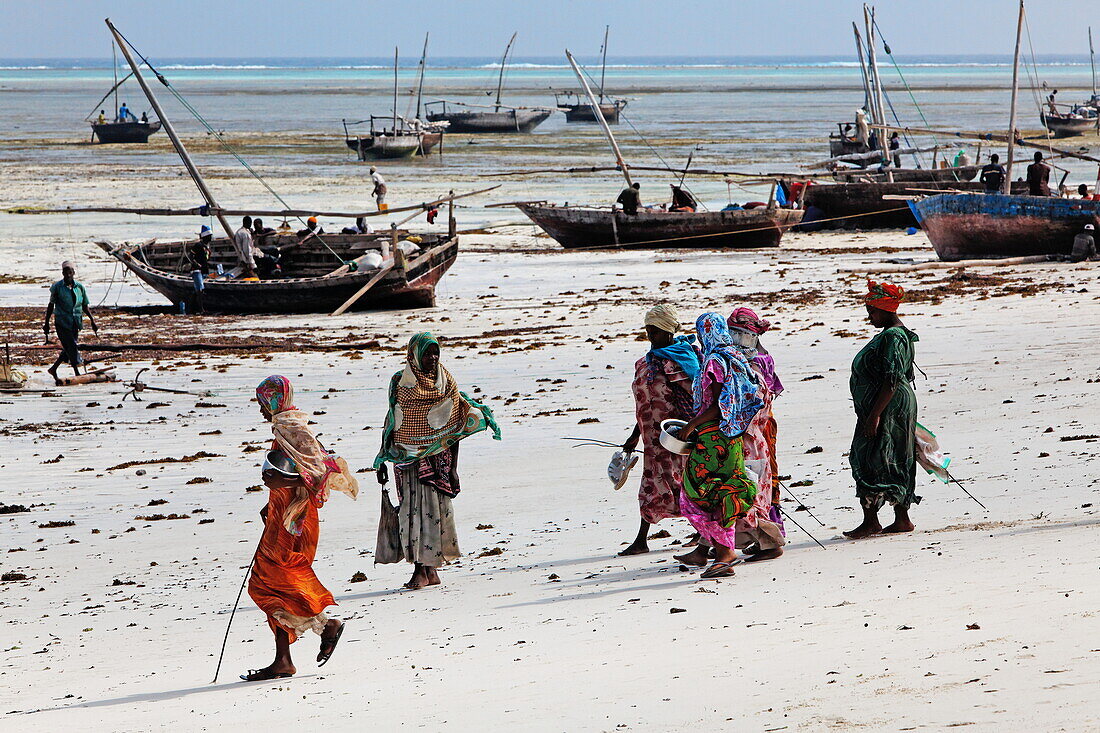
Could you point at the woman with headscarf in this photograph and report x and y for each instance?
(662, 391)
(717, 491)
(765, 542)
(282, 582)
(427, 418)
(883, 453)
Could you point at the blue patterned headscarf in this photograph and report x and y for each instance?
(740, 398)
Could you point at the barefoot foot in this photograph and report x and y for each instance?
(697, 557)
(899, 527)
(762, 555)
(864, 530)
(635, 549)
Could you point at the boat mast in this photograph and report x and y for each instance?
(862, 68)
(114, 67)
(1012, 108)
(1092, 63)
(395, 90)
(872, 60)
(503, 60)
(420, 83)
(603, 67)
(600, 118)
(170, 131)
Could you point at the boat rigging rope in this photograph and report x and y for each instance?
(908, 89)
(218, 136)
(1033, 77)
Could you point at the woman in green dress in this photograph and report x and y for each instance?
(883, 448)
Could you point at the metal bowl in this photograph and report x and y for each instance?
(670, 437)
(278, 463)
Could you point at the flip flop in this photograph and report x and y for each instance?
(322, 658)
(718, 570)
(259, 675)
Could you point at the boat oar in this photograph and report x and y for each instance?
(959, 484)
(233, 613)
(795, 523)
(801, 504)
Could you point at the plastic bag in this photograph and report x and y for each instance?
(388, 547)
(929, 454)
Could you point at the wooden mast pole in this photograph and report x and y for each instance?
(600, 118)
(862, 68)
(603, 67)
(395, 92)
(420, 83)
(503, 61)
(171, 131)
(872, 60)
(1007, 185)
(114, 67)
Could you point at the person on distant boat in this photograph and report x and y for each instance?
(682, 200)
(962, 159)
(311, 228)
(379, 191)
(993, 174)
(125, 115)
(846, 131)
(242, 243)
(102, 120)
(1083, 192)
(260, 232)
(1038, 177)
(198, 254)
(862, 130)
(895, 145)
(68, 306)
(630, 198)
(1051, 104)
(145, 118)
(361, 227)
(1084, 245)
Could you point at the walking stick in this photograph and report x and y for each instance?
(959, 483)
(788, 516)
(801, 504)
(233, 613)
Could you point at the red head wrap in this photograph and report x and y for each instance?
(747, 319)
(884, 296)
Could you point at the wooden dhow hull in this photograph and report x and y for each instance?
(585, 113)
(990, 226)
(124, 132)
(160, 265)
(960, 174)
(864, 206)
(505, 120)
(1066, 126)
(579, 227)
(378, 147)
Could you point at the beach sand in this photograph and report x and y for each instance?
(981, 619)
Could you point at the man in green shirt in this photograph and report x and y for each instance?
(68, 306)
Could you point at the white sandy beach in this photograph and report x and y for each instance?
(119, 623)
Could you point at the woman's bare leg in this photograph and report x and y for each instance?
(640, 545)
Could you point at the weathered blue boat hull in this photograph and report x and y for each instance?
(988, 226)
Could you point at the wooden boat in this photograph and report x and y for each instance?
(989, 226)
(841, 144)
(578, 110)
(581, 226)
(909, 175)
(312, 282)
(124, 132)
(865, 206)
(484, 118)
(1068, 125)
(583, 112)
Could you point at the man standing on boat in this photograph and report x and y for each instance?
(630, 199)
(1038, 177)
(198, 254)
(68, 306)
(379, 191)
(242, 243)
(993, 174)
(125, 115)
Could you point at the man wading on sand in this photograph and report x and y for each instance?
(379, 190)
(68, 306)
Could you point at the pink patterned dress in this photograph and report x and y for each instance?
(661, 392)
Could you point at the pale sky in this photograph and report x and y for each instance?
(370, 28)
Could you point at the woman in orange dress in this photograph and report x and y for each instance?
(283, 583)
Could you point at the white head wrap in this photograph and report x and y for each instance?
(664, 317)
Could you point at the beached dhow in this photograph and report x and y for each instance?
(576, 106)
(122, 126)
(1079, 118)
(465, 117)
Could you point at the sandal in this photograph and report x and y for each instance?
(718, 570)
(322, 655)
(259, 675)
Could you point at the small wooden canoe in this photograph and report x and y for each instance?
(583, 112)
(124, 132)
(313, 280)
(578, 226)
(972, 226)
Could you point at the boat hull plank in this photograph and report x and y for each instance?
(991, 226)
(583, 227)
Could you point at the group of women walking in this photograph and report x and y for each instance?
(722, 389)
(727, 485)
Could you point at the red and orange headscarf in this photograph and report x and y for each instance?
(884, 296)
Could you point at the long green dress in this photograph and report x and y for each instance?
(884, 467)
